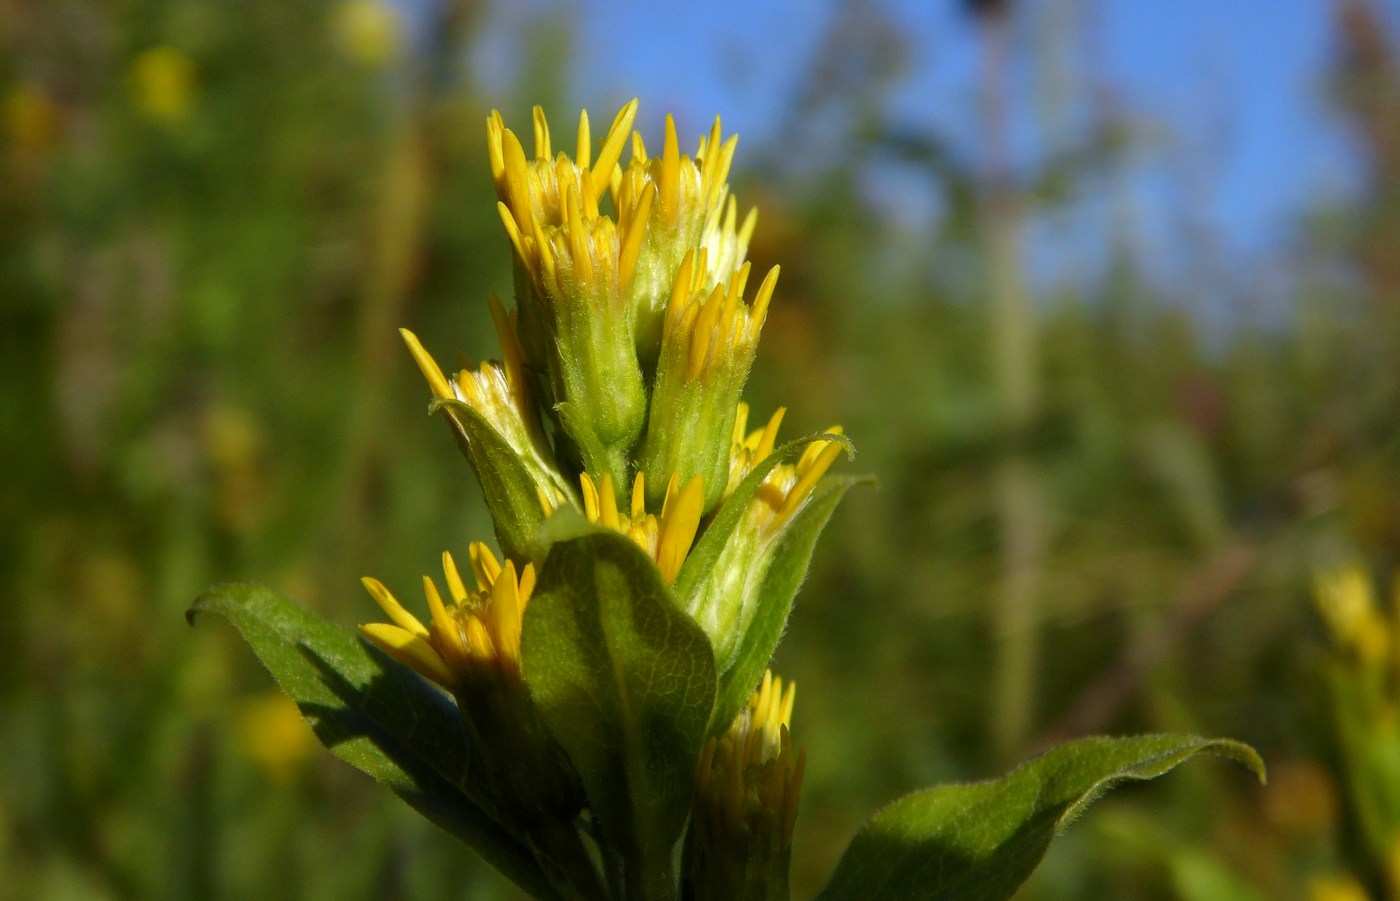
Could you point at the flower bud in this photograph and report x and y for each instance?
(690, 213)
(740, 840)
(579, 266)
(471, 647)
(708, 346)
(500, 396)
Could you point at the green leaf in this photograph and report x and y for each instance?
(375, 714)
(706, 551)
(787, 567)
(506, 483)
(979, 841)
(625, 681)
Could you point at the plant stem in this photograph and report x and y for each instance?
(1019, 503)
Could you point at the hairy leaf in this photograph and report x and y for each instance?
(979, 841)
(625, 681)
(506, 483)
(375, 714)
(786, 569)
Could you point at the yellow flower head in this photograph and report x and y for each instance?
(1347, 603)
(549, 206)
(666, 538)
(707, 347)
(533, 192)
(693, 211)
(690, 193)
(577, 319)
(477, 634)
(788, 485)
(162, 83)
(500, 393)
(752, 770)
(711, 328)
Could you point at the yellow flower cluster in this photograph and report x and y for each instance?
(788, 486)
(752, 770)
(477, 635)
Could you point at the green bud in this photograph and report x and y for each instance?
(739, 847)
(707, 348)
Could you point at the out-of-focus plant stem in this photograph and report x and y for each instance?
(399, 221)
(1019, 504)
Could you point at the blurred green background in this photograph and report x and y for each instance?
(1103, 497)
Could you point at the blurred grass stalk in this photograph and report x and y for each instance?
(1016, 613)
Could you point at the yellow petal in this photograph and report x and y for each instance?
(611, 151)
(390, 605)
(679, 527)
(809, 478)
(449, 639)
(505, 614)
(429, 367)
(455, 585)
(484, 564)
(410, 650)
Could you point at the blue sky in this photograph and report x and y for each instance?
(1227, 97)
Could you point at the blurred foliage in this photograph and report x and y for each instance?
(213, 217)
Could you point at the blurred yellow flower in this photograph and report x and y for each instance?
(369, 32)
(233, 440)
(1336, 888)
(31, 118)
(162, 82)
(1347, 602)
(272, 733)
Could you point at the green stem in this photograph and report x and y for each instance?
(1013, 335)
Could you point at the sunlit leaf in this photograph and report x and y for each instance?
(979, 841)
(625, 681)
